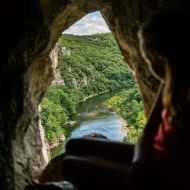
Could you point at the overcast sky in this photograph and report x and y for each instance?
(90, 24)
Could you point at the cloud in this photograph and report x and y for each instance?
(90, 24)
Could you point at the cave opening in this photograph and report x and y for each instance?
(37, 28)
(93, 90)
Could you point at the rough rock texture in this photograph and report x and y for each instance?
(29, 30)
(56, 72)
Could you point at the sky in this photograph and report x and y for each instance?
(92, 23)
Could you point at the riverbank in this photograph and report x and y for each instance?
(124, 128)
(71, 124)
(94, 117)
(93, 95)
(52, 145)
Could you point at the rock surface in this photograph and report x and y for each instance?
(30, 30)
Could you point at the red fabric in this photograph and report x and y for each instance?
(164, 136)
(171, 154)
(172, 140)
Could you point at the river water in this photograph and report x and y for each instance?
(94, 117)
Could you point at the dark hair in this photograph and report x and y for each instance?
(168, 35)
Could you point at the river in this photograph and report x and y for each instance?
(94, 117)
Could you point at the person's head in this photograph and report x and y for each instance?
(164, 42)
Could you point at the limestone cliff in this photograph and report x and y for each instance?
(56, 72)
(33, 149)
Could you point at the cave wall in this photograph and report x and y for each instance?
(30, 30)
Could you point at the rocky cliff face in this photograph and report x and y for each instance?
(34, 154)
(29, 32)
(56, 72)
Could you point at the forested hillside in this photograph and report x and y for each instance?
(93, 65)
(128, 104)
(88, 65)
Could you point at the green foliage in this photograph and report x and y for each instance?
(53, 118)
(128, 103)
(88, 65)
(57, 95)
(96, 59)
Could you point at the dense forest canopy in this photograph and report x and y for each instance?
(89, 65)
